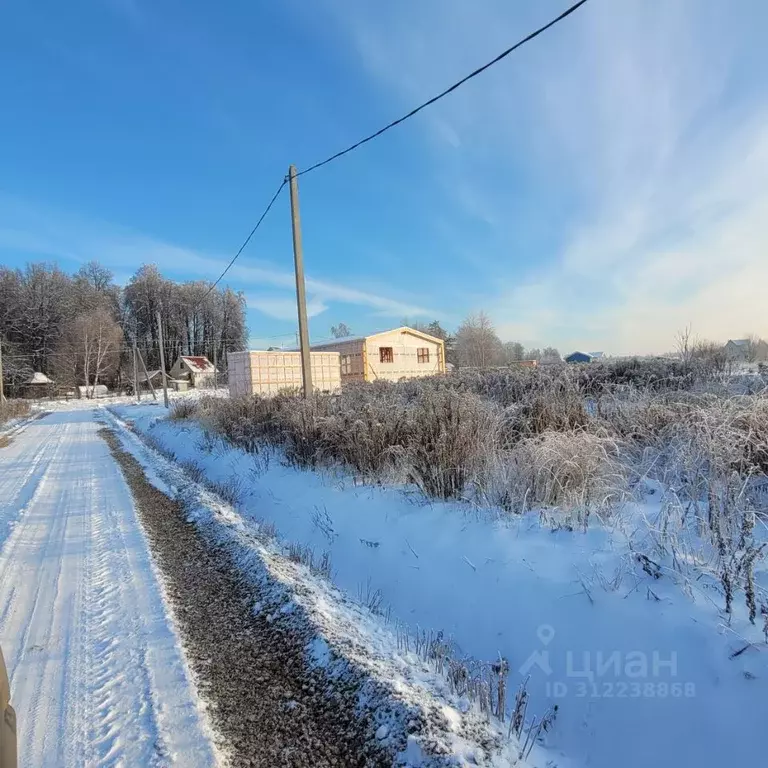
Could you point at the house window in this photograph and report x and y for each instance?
(386, 355)
(422, 354)
(346, 365)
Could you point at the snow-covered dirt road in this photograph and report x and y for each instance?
(97, 673)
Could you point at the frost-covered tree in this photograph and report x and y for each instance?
(533, 354)
(89, 350)
(477, 344)
(340, 331)
(514, 352)
(40, 302)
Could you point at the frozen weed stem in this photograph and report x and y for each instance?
(575, 440)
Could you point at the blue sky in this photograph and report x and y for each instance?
(601, 188)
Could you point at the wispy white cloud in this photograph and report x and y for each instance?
(283, 307)
(639, 130)
(44, 233)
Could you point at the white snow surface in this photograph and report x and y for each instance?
(350, 643)
(97, 673)
(643, 673)
(47, 405)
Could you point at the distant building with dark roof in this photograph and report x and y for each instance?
(579, 357)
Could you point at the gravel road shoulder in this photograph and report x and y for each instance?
(266, 705)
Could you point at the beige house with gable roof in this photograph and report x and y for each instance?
(402, 353)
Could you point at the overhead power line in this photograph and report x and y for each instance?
(245, 243)
(387, 127)
(448, 90)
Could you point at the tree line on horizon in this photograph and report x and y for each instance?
(79, 329)
(475, 344)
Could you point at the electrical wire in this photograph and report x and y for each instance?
(242, 247)
(389, 126)
(448, 90)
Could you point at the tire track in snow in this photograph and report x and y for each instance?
(39, 684)
(97, 674)
(42, 655)
(108, 620)
(23, 474)
(27, 533)
(73, 723)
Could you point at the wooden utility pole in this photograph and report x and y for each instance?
(215, 366)
(162, 359)
(301, 296)
(136, 373)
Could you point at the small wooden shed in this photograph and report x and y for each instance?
(198, 370)
(38, 385)
(402, 353)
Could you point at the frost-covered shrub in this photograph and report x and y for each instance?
(575, 439)
(13, 409)
(562, 436)
(710, 440)
(367, 430)
(248, 422)
(574, 470)
(183, 409)
(453, 441)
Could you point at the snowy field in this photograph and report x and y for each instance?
(97, 674)
(73, 404)
(410, 708)
(644, 667)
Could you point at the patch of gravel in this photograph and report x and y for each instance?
(266, 704)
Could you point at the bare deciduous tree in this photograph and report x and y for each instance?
(710, 353)
(684, 344)
(514, 352)
(340, 331)
(37, 302)
(90, 349)
(196, 320)
(753, 347)
(477, 344)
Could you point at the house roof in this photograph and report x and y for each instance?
(39, 378)
(342, 340)
(401, 329)
(596, 355)
(412, 331)
(739, 342)
(198, 364)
